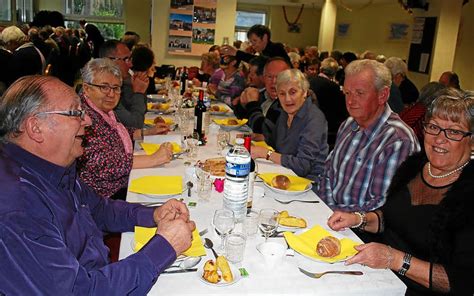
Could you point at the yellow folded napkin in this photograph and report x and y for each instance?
(158, 106)
(151, 148)
(306, 243)
(168, 121)
(262, 144)
(144, 234)
(157, 185)
(225, 121)
(297, 183)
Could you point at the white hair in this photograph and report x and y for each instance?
(396, 66)
(13, 34)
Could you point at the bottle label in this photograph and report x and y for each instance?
(237, 170)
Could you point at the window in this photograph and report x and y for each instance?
(107, 15)
(245, 20)
(24, 11)
(5, 10)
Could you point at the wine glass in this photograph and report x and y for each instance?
(223, 139)
(268, 222)
(224, 223)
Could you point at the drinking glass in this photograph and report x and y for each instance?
(268, 222)
(204, 185)
(224, 223)
(223, 139)
(235, 247)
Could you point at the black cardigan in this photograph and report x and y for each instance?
(455, 214)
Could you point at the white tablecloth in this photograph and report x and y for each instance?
(281, 280)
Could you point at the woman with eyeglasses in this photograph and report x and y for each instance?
(426, 227)
(108, 154)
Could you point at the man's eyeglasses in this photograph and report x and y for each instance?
(107, 88)
(452, 134)
(71, 113)
(124, 59)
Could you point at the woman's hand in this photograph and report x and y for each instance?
(259, 152)
(163, 155)
(341, 220)
(376, 256)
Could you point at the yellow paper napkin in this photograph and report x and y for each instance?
(225, 121)
(151, 148)
(262, 144)
(144, 234)
(306, 243)
(157, 185)
(297, 183)
(168, 121)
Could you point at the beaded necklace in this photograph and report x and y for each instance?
(447, 174)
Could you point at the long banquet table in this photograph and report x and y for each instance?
(284, 279)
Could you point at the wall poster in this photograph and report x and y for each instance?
(192, 26)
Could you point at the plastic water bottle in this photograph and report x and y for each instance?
(236, 184)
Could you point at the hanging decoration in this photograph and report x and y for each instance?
(293, 27)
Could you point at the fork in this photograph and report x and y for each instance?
(285, 202)
(317, 275)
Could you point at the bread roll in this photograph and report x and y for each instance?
(281, 182)
(328, 246)
(215, 108)
(159, 119)
(211, 276)
(232, 122)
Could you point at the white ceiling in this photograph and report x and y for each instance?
(317, 3)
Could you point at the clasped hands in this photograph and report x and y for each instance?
(174, 224)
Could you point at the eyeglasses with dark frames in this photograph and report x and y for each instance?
(452, 134)
(124, 59)
(70, 113)
(106, 88)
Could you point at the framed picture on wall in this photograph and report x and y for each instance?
(343, 29)
(398, 31)
(192, 26)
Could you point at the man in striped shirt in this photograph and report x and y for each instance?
(370, 144)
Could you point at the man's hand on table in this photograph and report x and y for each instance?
(174, 225)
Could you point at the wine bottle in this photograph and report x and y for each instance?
(248, 145)
(184, 80)
(199, 114)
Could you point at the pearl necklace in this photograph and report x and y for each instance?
(447, 174)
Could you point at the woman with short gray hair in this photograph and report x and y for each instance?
(108, 153)
(300, 134)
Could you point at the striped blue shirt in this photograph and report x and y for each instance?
(359, 170)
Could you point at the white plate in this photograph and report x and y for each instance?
(227, 111)
(222, 283)
(288, 192)
(162, 112)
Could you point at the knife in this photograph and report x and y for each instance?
(181, 270)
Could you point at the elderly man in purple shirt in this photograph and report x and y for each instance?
(51, 224)
(370, 144)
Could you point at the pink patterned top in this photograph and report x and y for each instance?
(104, 166)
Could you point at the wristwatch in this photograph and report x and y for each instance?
(406, 264)
(269, 153)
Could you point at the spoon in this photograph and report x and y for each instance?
(190, 185)
(187, 263)
(209, 244)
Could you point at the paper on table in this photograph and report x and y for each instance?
(297, 183)
(151, 148)
(306, 243)
(226, 121)
(262, 144)
(144, 234)
(157, 185)
(168, 121)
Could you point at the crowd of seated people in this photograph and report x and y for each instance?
(351, 123)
